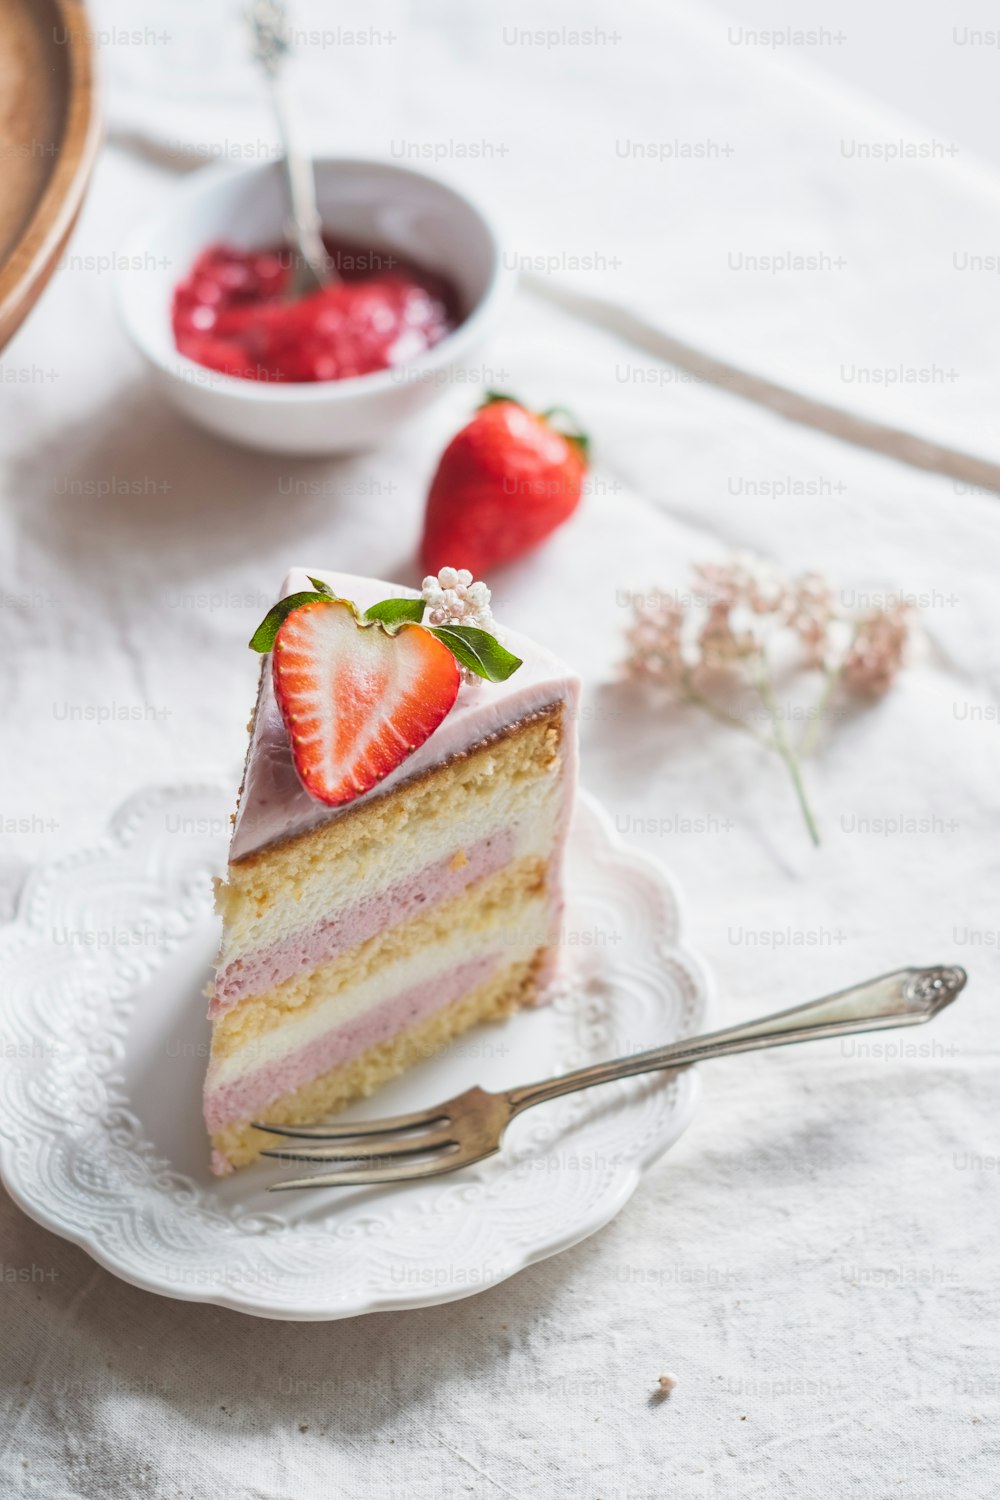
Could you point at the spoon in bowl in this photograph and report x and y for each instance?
(271, 41)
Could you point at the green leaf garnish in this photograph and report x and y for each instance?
(473, 648)
(479, 651)
(263, 637)
(396, 611)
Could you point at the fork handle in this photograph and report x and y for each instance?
(907, 997)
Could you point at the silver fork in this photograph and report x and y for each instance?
(471, 1126)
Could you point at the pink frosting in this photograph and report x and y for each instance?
(275, 805)
(252, 1092)
(348, 927)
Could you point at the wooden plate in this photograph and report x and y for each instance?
(49, 134)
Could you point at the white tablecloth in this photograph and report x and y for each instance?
(816, 1259)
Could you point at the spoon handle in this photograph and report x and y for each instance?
(271, 34)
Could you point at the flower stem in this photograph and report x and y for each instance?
(784, 749)
(811, 732)
(700, 700)
(833, 676)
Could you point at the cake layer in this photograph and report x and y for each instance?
(249, 1092)
(508, 787)
(349, 927)
(511, 987)
(510, 917)
(511, 911)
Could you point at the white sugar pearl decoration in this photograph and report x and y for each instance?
(453, 598)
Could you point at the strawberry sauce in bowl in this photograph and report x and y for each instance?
(233, 313)
(422, 283)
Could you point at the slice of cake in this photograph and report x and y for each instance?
(394, 874)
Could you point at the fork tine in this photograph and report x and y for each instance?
(381, 1146)
(421, 1119)
(405, 1172)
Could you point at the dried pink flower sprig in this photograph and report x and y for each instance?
(746, 620)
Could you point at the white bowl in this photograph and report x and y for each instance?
(375, 203)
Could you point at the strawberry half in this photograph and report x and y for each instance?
(507, 480)
(356, 699)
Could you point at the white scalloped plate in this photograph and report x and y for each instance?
(103, 1032)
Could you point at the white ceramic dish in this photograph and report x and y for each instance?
(375, 203)
(105, 1039)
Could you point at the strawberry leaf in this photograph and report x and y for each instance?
(321, 587)
(491, 398)
(396, 611)
(568, 427)
(263, 637)
(479, 651)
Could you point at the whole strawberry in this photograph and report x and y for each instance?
(506, 481)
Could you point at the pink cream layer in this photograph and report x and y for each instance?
(244, 1097)
(352, 925)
